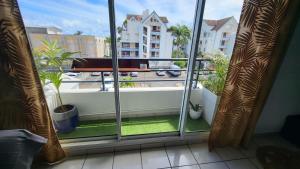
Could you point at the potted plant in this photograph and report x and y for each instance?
(195, 111)
(50, 61)
(213, 84)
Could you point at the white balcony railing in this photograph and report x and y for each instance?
(135, 102)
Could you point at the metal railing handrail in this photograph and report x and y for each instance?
(199, 60)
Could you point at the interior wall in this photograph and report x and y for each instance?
(284, 98)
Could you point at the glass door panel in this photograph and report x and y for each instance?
(215, 46)
(82, 28)
(153, 40)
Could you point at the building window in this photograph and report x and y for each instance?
(221, 49)
(204, 34)
(200, 42)
(145, 40)
(125, 53)
(224, 34)
(152, 54)
(125, 45)
(153, 45)
(145, 30)
(144, 49)
(136, 45)
(155, 28)
(136, 53)
(222, 42)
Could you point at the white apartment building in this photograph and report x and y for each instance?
(88, 46)
(145, 36)
(218, 35)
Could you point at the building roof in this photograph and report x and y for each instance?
(139, 18)
(217, 24)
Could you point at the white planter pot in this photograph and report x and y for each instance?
(195, 114)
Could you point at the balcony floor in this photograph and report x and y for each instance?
(134, 126)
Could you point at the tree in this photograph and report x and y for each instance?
(182, 35)
(78, 33)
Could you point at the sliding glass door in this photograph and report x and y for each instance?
(133, 66)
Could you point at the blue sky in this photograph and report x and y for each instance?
(91, 16)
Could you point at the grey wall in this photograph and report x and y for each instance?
(284, 98)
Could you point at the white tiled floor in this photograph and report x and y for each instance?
(194, 156)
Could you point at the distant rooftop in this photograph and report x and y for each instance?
(140, 17)
(217, 24)
(43, 30)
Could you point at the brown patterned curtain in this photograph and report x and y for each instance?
(264, 28)
(22, 102)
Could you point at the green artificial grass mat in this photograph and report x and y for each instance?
(134, 126)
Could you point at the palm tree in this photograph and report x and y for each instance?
(182, 35)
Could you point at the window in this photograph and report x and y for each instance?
(224, 34)
(136, 45)
(222, 42)
(153, 45)
(125, 45)
(152, 54)
(144, 40)
(156, 28)
(145, 30)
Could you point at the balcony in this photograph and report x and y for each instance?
(129, 49)
(154, 49)
(156, 41)
(155, 32)
(148, 111)
(144, 110)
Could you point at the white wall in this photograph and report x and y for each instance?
(284, 98)
(93, 104)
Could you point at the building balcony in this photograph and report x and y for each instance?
(129, 49)
(156, 41)
(154, 49)
(155, 32)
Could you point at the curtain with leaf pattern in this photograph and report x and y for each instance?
(22, 102)
(263, 32)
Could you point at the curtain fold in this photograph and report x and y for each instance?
(22, 101)
(263, 32)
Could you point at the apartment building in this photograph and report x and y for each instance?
(218, 35)
(88, 46)
(145, 36)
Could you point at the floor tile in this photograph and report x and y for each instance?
(229, 153)
(256, 163)
(187, 167)
(240, 164)
(218, 165)
(99, 161)
(155, 158)
(202, 154)
(180, 156)
(71, 163)
(127, 160)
